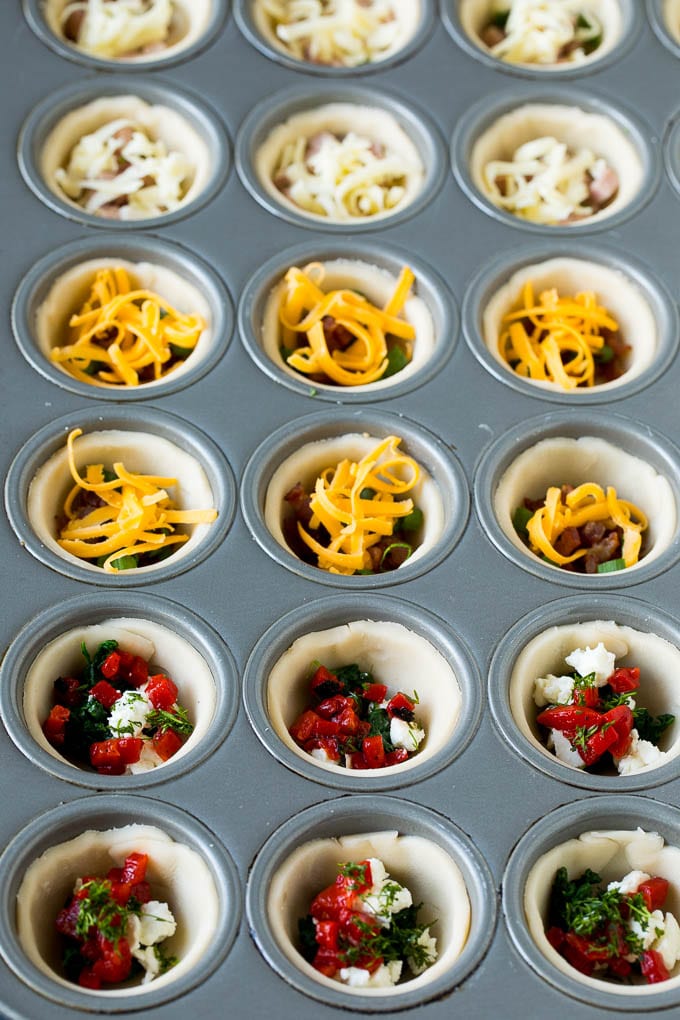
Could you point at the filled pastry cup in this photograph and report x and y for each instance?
(420, 850)
(472, 16)
(188, 29)
(664, 16)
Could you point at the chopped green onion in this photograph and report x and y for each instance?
(610, 566)
(286, 352)
(605, 354)
(122, 563)
(412, 521)
(182, 353)
(367, 493)
(396, 360)
(500, 18)
(364, 570)
(520, 519)
(396, 545)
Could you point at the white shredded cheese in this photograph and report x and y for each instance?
(343, 33)
(120, 28)
(546, 31)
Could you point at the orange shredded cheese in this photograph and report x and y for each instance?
(562, 339)
(119, 333)
(355, 523)
(587, 502)
(137, 515)
(303, 308)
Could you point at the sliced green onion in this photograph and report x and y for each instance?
(412, 521)
(605, 354)
(367, 493)
(181, 352)
(396, 545)
(286, 352)
(610, 566)
(122, 563)
(364, 570)
(500, 18)
(520, 519)
(396, 360)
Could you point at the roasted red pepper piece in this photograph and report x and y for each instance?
(139, 671)
(67, 691)
(328, 744)
(134, 868)
(587, 696)
(401, 707)
(327, 934)
(397, 756)
(326, 728)
(54, 726)
(348, 721)
(327, 962)
(623, 680)
(653, 967)
(601, 741)
(621, 720)
(105, 693)
(115, 962)
(375, 692)
(161, 691)
(166, 744)
(654, 892)
(373, 751)
(567, 718)
(104, 754)
(110, 666)
(325, 684)
(303, 727)
(555, 936)
(332, 706)
(357, 762)
(130, 749)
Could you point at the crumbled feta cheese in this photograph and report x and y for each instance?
(648, 933)
(641, 754)
(429, 943)
(320, 754)
(668, 944)
(129, 713)
(156, 923)
(385, 897)
(553, 690)
(630, 883)
(386, 975)
(406, 734)
(564, 751)
(149, 961)
(148, 759)
(593, 660)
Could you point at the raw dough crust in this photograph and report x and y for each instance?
(140, 452)
(178, 876)
(671, 17)
(578, 129)
(658, 659)
(190, 21)
(395, 655)
(427, 870)
(408, 14)
(613, 289)
(305, 465)
(611, 854)
(159, 122)
(378, 285)
(341, 118)
(562, 461)
(474, 15)
(71, 289)
(155, 643)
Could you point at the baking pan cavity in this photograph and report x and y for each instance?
(58, 284)
(302, 856)
(372, 270)
(638, 633)
(493, 128)
(566, 447)
(304, 112)
(533, 864)
(194, 25)
(646, 312)
(147, 440)
(620, 20)
(297, 451)
(191, 653)
(664, 16)
(174, 116)
(42, 862)
(404, 646)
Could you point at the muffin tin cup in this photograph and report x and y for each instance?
(495, 274)
(36, 284)
(95, 608)
(427, 450)
(429, 287)
(66, 821)
(36, 19)
(568, 822)
(354, 815)
(672, 152)
(575, 609)
(635, 438)
(484, 113)
(243, 17)
(52, 438)
(657, 19)
(47, 114)
(333, 612)
(631, 16)
(269, 113)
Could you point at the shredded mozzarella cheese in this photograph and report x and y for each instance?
(342, 33)
(119, 28)
(547, 32)
(118, 171)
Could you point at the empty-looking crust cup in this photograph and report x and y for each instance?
(62, 163)
(396, 656)
(613, 151)
(623, 300)
(165, 651)
(541, 54)
(161, 33)
(178, 875)
(393, 178)
(659, 691)
(612, 854)
(71, 290)
(561, 460)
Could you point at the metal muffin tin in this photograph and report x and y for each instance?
(242, 797)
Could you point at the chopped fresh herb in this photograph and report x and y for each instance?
(177, 720)
(520, 519)
(165, 961)
(353, 676)
(582, 906)
(398, 942)
(610, 566)
(583, 734)
(650, 728)
(357, 872)
(380, 723)
(99, 910)
(392, 547)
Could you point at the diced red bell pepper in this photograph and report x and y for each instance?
(401, 707)
(325, 684)
(333, 706)
(357, 762)
(120, 892)
(653, 967)
(166, 744)
(327, 962)
(577, 951)
(331, 901)
(623, 680)
(139, 671)
(326, 728)
(619, 966)
(303, 727)
(375, 692)
(130, 749)
(654, 892)
(105, 693)
(115, 962)
(68, 918)
(54, 726)
(141, 891)
(67, 691)
(88, 979)
(134, 868)
(110, 666)
(621, 720)
(161, 691)
(327, 935)
(396, 757)
(596, 745)
(373, 751)
(126, 659)
(104, 754)
(555, 937)
(566, 718)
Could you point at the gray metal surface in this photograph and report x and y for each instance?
(241, 791)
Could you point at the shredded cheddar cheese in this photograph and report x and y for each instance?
(136, 514)
(355, 523)
(120, 332)
(587, 502)
(343, 33)
(563, 338)
(303, 309)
